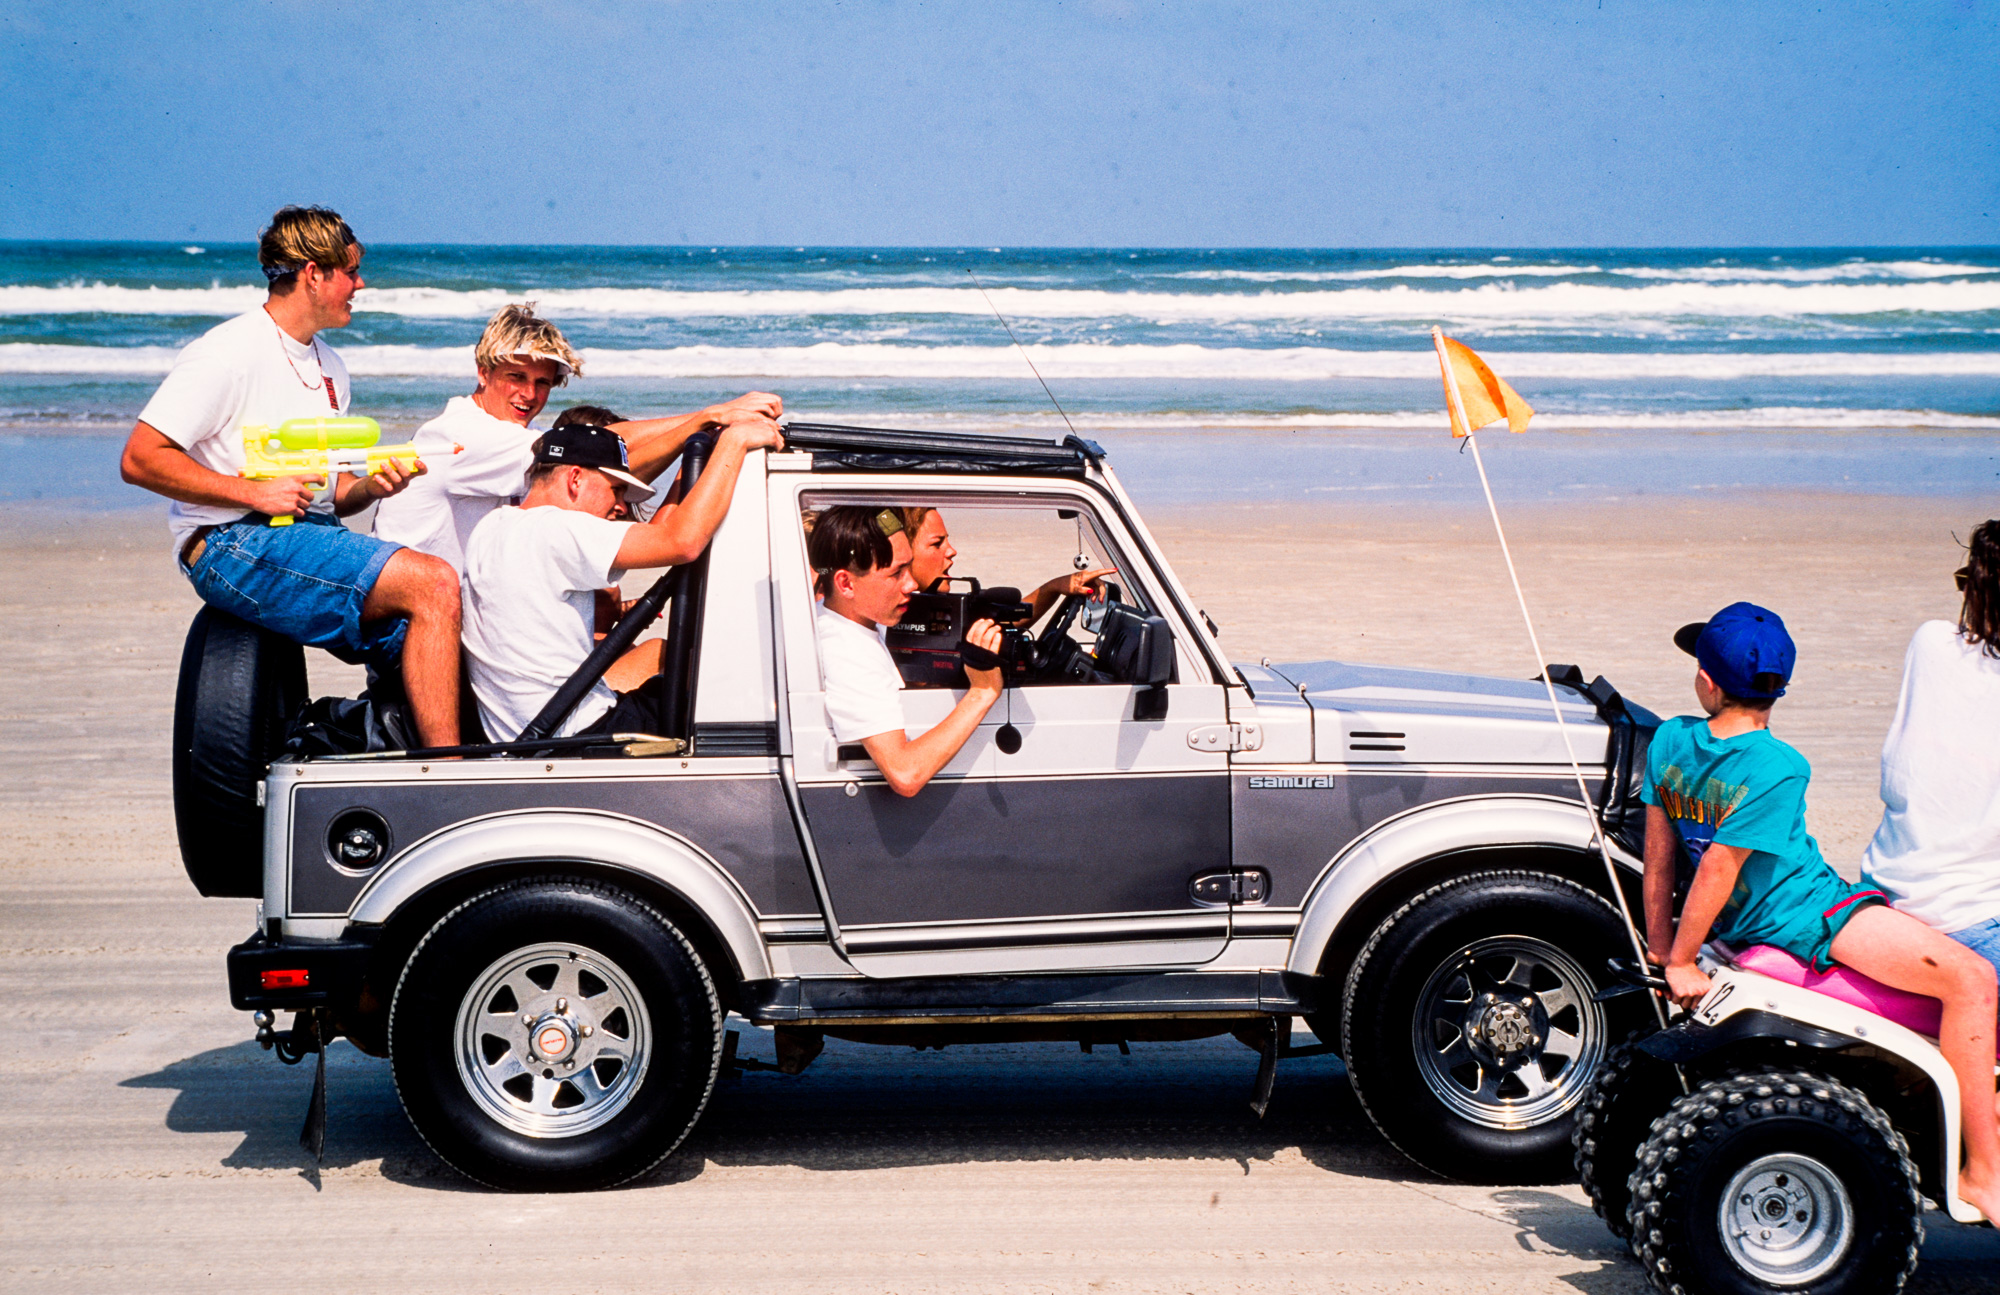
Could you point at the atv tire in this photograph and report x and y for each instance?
(1776, 1181)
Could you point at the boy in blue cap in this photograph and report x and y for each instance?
(1735, 796)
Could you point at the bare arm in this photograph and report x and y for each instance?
(1713, 882)
(679, 533)
(653, 443)
(1659, 884)
(351, 494)
(152, 460)
(908, 763)
(1076, 582)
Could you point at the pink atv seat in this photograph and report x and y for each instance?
(1912, 1011)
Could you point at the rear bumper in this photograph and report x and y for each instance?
(332, 973)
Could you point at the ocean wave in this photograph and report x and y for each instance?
(1490, 271)
(1769, 418)
(835, 360)
(1498, 302)
(1691, 273)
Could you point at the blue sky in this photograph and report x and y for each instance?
(1104, 122)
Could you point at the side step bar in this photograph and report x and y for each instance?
(981, 999)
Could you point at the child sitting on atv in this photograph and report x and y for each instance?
(1736, 796)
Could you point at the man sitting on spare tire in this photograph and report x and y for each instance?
(316, 582)
(532, 574)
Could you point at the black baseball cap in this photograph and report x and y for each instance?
(580, 445)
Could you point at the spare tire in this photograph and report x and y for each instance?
(239, 688)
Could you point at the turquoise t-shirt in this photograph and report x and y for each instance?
(1747, 791)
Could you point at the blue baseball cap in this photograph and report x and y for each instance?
(1744, 648)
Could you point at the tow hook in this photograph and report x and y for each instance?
(293, 1045)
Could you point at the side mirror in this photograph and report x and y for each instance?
(1153, 666)
(1153, 656)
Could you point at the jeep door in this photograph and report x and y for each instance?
(1066, 835)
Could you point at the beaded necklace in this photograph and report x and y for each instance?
(324, 382)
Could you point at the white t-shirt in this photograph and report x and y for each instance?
(529, 612)
(1937, 852)
(473, 463)
(244, 372)
(863, 687)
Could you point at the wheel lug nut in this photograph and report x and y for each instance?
(589, 1030)
(562, 1004)
(527, 1018)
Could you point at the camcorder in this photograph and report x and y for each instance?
(929, 642)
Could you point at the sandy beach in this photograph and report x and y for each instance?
(142, 1124)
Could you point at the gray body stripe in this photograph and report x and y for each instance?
(743, 823)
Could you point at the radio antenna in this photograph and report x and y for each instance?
(1023, 350)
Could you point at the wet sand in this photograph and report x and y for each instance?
(142, 1135)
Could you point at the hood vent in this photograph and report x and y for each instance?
(1381, 742)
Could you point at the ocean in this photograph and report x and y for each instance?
(1226, 375)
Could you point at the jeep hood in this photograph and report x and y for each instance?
(1364, 714)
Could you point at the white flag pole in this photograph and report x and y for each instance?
(1583, 790)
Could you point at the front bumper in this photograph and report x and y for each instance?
(294, 975)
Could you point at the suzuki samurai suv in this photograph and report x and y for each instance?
(1142, 841)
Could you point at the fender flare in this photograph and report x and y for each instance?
(1439, 828)
(576, 836)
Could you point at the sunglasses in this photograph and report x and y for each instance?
(1961, 577)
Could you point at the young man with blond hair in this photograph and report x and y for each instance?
(480, 448)
(317, 581)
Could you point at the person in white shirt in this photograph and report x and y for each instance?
(861, 563)
(480, 448)
(316, 582)
(1936, 853)
(532, 573)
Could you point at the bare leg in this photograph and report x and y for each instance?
(640, 663)
(1899, 950)
(425, 589)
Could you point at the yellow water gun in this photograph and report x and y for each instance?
(323, 447)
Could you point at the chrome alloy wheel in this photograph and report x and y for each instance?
(1786, 1220)
(552, 1040)
(1506, 1034)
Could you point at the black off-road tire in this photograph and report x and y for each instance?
(239, 688)
(1630, 1091)
(1725, 1129)
(452, 1036)
(1484, 1123)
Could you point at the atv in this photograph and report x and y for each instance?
(1783, 1135)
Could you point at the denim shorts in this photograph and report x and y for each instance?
(1983, 939)
(306, 581)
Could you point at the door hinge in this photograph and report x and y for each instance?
(1227, 737)
(1236, 886)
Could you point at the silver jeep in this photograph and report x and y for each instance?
(1142, 842)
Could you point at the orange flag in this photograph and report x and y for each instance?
(1473, 393)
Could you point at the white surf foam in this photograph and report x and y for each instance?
(1496, 302)
(1692, 273)
(835, 360)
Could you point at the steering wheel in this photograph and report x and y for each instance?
(1057, 656)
